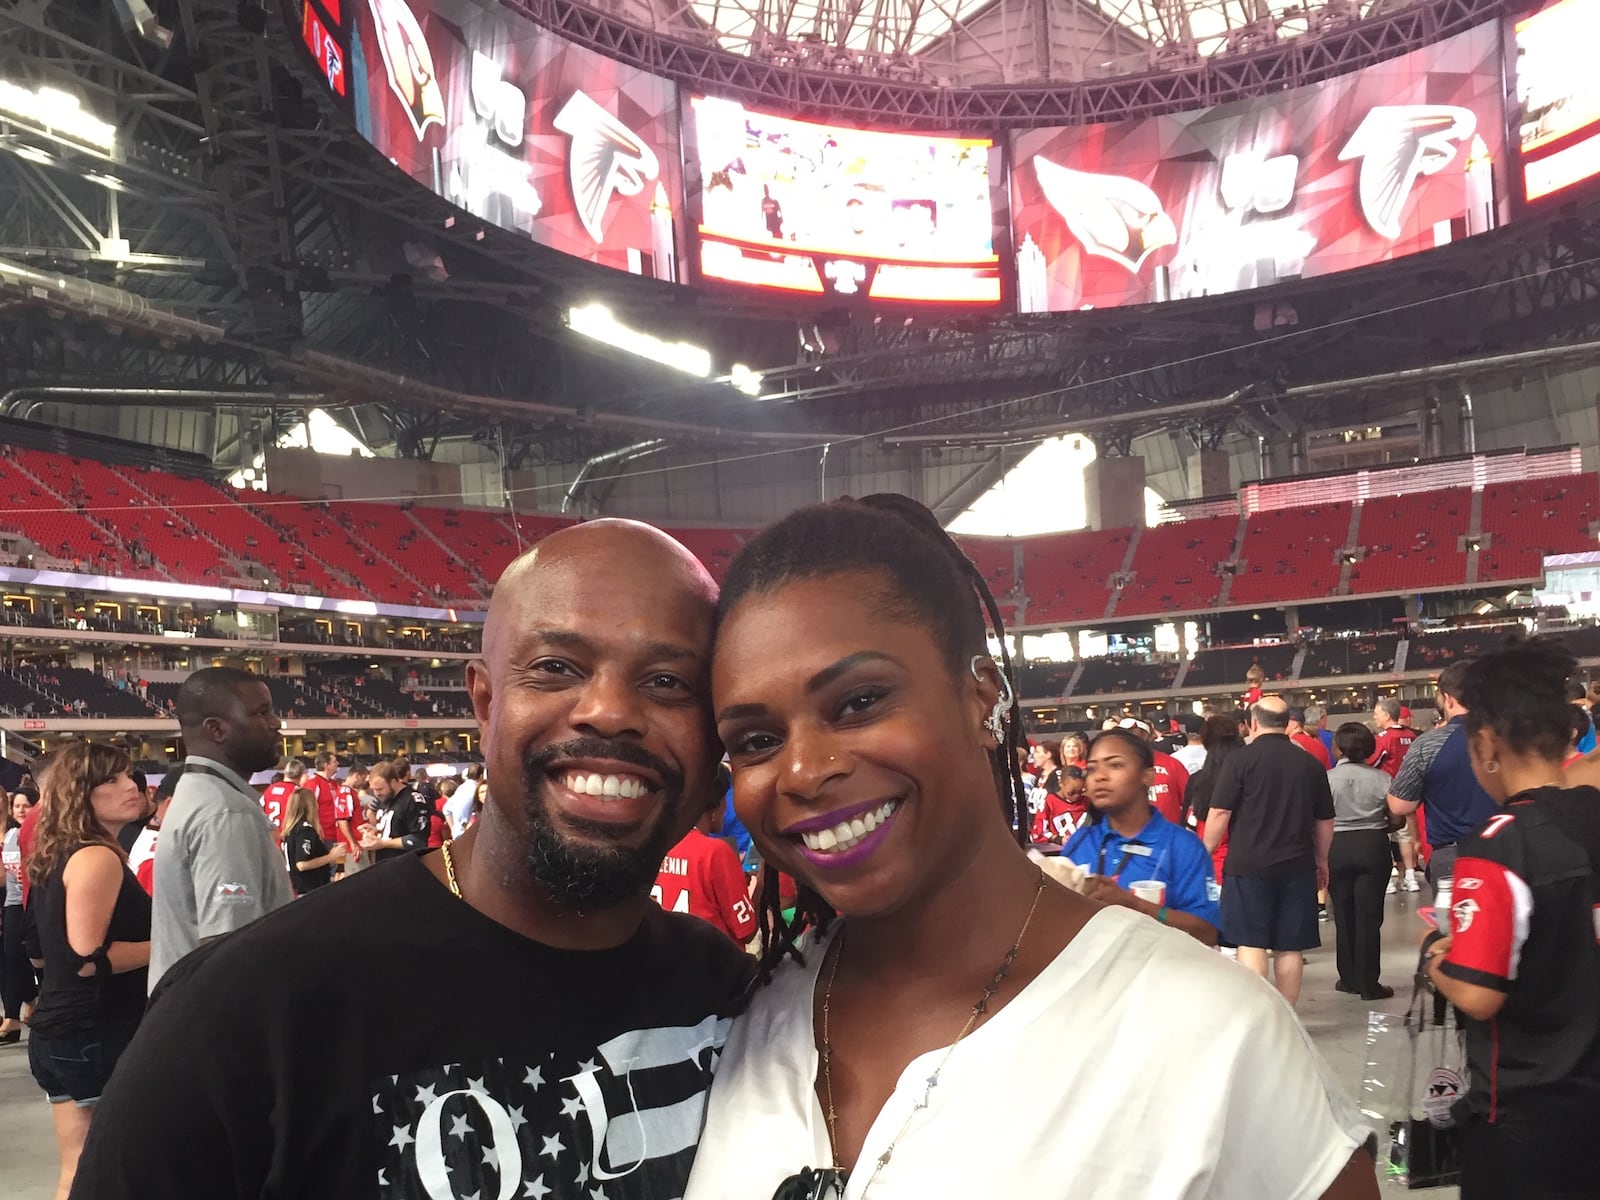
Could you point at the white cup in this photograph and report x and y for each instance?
(1151, 890)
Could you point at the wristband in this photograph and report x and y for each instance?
(1161, 914)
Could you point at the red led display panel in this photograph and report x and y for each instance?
(325, 50)
(851, 214)
(1383, 162)
(521, 128)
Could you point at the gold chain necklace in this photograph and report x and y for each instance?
(977, 1014)
(450, 872)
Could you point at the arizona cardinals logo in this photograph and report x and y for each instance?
(1113, 216)
(606, 156)
(409, 64)
(1397, 145)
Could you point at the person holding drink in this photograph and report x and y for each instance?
(1136, 857)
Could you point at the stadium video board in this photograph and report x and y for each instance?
(1386, 161)
(848, 214)
(518, 127)
(1558, 96)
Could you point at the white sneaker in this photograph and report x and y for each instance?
(1390, 890)
(1411, 883)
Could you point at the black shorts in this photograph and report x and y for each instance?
(1271, 914)
(76, 1066)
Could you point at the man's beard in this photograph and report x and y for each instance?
(583, 875)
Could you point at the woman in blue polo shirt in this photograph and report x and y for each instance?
(1127, 841)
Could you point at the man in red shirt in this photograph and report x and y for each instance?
(1172, 778)
(1309, 742)
(347, 810)
(275, 799)
(702, 876)
(1395, 735)
(321, 783)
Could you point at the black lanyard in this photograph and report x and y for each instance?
(1127, 853)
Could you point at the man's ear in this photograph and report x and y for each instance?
(480, 691)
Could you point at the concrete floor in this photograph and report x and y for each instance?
(1336, 1022)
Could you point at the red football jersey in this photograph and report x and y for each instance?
(1172, 779)
(701, 876)
(1393, 743)
(327, 794)
(275, 802)
(1057, 820)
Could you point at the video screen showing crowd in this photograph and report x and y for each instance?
(767, 893)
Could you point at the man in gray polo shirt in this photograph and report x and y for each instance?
(219, 866)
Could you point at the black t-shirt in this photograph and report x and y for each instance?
(1276, 793)
(437, 1054)
(301, 844)
(1523, 923)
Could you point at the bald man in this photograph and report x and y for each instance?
(321, 1052)
(1273, 804)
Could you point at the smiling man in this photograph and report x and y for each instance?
(315, 1055)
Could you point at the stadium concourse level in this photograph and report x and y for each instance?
(81, 515)
(47, 689)
(1382, 657)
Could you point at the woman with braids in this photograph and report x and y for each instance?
(894, 1050)
(94, 929)
(1521, 960)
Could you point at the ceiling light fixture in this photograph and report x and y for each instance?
(58, 113)
(598, 322)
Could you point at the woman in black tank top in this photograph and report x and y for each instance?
(94, 931)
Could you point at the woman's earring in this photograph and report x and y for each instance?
(995, 723)
(1492, 767)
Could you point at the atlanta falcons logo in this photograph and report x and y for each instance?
(409, 64)
(1113, 216)
(1397, 145)
(606, 157)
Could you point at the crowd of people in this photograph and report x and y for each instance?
(937, 903)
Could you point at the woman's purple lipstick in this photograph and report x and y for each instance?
(837, 860)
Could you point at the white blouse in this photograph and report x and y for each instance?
(1138, 1064)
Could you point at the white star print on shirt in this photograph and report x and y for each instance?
(552, 1147)
(517, 1119)
(534, 1190)
(534, 1078)
(427, 1095)
(571, 1106)
(402, 1137)
(460, 1126)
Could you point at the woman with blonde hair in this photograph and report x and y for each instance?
(311, 859)
(93, 920)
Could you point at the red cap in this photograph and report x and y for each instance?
(1405, 714)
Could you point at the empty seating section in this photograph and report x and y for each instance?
(1412, 541)
(1066, 575)
(1227, 665)
(1436, 651)
(482, 540)
(1046, 681)
(1175, 566)
(143, 522)
(37, 515)
(240, 532)
(1371, 654)
(429, 573)
(1291, 554)
(714, 547)
(1533, 518)
(1121, 673)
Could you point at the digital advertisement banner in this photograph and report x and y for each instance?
(517, 126)
(1558, 93)
(1384, 162)
(827, 210)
